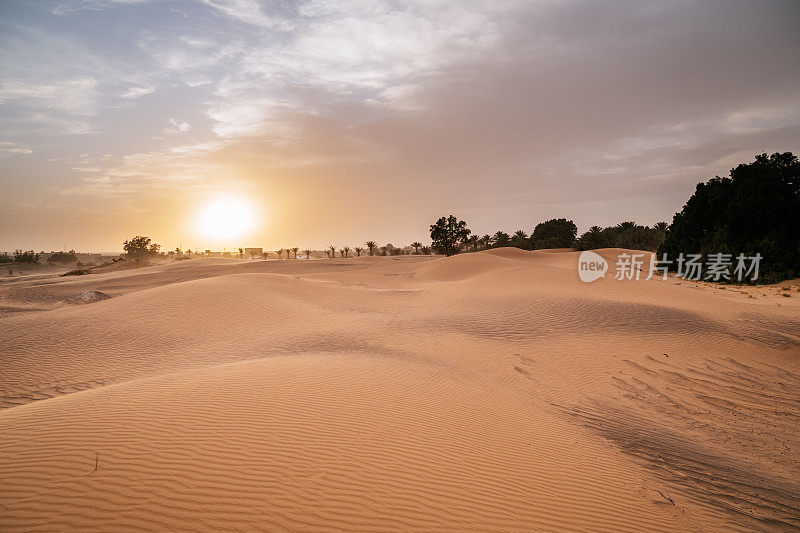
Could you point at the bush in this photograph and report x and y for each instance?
(25, 257)
(78, 272)
(63, 257)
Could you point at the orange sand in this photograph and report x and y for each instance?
(489, 392)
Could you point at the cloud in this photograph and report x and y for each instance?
(248, 11)
(177, 127)
(8, 149)
(75, 96)
(137, 92)
(66, 8)
(179, 169)
(45, 124)
(273, 119)
(197, 149)
(199, 82)
(367, 53)
(178, 55)
(372, 46)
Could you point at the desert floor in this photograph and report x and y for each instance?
(491, 391)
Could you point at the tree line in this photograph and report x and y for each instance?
(20, 256)
(451, 236)
(369, 248)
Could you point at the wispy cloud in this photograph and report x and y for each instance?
(175, 54)
(248, 11)
(176, 126)
(8, 149)
(50, 124)
(71, 6)
(248, 117)
(179, 169)
(137, 92)
(75, 96)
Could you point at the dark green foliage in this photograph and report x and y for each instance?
(449, 235)
(141, 248)
(501, 239)
(520, 240)
(624, 235)
(63, 257)
(592, 239)
(25, 257)
(755, 210)
(554, 233)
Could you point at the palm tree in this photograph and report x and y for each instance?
(520, 239)
(308, 253)
(417, 245)
(358, 250)
(592, 239)
(472, 242)
(294, 250)
(280, 253)
(345, 252)
(501, 239)
(485, 242)
(264, 254)
(332, 250)
(660, 226)
(371, 245)
(426, 250)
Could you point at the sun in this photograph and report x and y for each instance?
(225, 217)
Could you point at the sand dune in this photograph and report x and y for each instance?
(490, 392)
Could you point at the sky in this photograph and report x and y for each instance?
(352, 120)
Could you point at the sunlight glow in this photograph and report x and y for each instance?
(226, 218)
